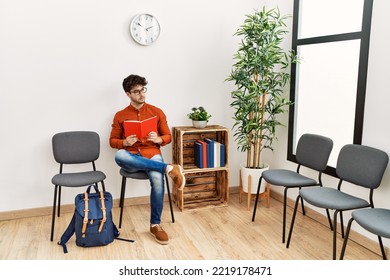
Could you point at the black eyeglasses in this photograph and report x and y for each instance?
(139, 91)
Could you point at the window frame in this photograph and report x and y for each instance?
(364, 37)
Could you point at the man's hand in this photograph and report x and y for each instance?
(153, 136)
(130, 140)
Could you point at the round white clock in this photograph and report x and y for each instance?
(145, 29)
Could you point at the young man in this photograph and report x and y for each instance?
(144, 154)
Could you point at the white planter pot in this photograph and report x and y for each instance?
(255, 175)
(199, 124)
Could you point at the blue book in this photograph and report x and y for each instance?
(198, 154)
(210, 152)
(222, 155)
(204, 152)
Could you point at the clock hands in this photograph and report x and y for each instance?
(142, 26)
(147, 29)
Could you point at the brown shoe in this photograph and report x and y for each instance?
(177, 176)
(159, 234)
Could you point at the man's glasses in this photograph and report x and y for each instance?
(139, 91)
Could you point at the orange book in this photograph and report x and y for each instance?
(204, 153)
(140, 128)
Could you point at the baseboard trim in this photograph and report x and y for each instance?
(66, 208)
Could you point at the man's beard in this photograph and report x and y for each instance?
(138, 102)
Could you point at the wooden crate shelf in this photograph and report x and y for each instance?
(205, 187)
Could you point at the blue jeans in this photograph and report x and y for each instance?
(155, 168)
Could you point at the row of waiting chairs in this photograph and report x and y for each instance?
(360, 165)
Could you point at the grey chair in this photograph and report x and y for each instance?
(374, 220)
(312, 152)
(141, 175)
(360, 165)
(75, 148)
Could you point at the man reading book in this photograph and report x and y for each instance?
(144, 154)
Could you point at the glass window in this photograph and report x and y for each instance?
(321, 18)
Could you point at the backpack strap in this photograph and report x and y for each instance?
(103, 220)
(67, 234)
(85, 221)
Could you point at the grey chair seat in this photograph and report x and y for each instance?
(287, 178)
(330, 198)
(79, 179)
(375, 220)
(140, 175)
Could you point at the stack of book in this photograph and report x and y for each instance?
(209, 153)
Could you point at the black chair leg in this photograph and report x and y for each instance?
(334, 233)
(59, 201)
(293, 221)
(382, 248)
(257, 199)
(329, 219)
(303, 206)
(53, 217)
(169, 198)
(122, 195)
(346, 239)
(284, 214)
(121, 200)
(103, 186)
(342, 224)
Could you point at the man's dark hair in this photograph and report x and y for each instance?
(133, 80)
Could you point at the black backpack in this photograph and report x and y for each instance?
(92, 220)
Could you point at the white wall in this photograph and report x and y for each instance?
(62, 64)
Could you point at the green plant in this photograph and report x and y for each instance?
(199, 114)
(260, 74)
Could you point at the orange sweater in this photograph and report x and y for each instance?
(146, 148)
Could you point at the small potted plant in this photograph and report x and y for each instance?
(199, 117)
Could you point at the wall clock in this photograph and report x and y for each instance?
(145, 29)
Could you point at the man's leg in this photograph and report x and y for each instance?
(156, 193)
(156, 203)
(135, 162)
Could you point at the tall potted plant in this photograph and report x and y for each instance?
(260, 73)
